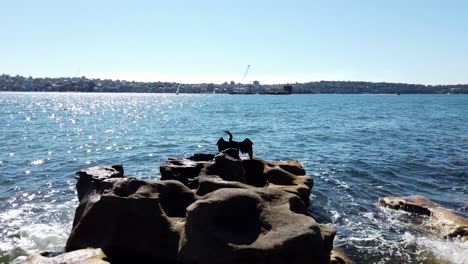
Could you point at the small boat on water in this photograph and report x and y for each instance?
(177, 91)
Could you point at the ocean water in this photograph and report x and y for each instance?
(357, 147)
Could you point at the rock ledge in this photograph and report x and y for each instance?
(444, 222)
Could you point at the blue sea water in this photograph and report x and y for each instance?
(357, 147)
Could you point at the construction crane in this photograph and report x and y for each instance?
(245, 73)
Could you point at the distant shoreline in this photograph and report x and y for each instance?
(82, 84)
(164, 93)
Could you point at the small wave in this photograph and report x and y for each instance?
(36, 238)
(452, 251)
(37, 162)
(44, 236)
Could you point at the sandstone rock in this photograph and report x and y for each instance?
(211, 183)
(183, 170)
(301, 190)
(253, 226)
(338, 257)
(238, 211)
(287, 175)
(228, 166)
(89, 179)
(444, 222)
(82, 256)
(291, 166)
(255, 172)
(132, 220)
(202, 157)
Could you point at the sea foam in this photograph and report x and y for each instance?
(38, 237)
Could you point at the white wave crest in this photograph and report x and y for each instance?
(36, 238)
(454, 251)
(37, 162)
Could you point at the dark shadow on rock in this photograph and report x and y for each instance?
(89, 179)
(132, 220)
(227, 165)
(254, 174)
(253, 226)
(202, 157)
(183, 170)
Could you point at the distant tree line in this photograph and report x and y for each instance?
(341, 87)
(83, 84)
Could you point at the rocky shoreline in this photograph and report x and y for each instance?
(205, 209)
(212, 209)
(442, 222)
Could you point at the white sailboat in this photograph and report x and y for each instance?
(177, 91)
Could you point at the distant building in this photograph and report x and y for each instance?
(256, 86)
(287, 88)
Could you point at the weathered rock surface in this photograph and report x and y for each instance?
(253, 226)
(287, 176)
(444, 222)
(291, 166)
(90, 178)
(82, 256)
(227, 165)
(235, 211)
(338, 257)
(132, 220)
(211, 183)
(184, 170)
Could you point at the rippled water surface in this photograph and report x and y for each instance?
(357, 147)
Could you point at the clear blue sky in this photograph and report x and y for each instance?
(415, 41)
